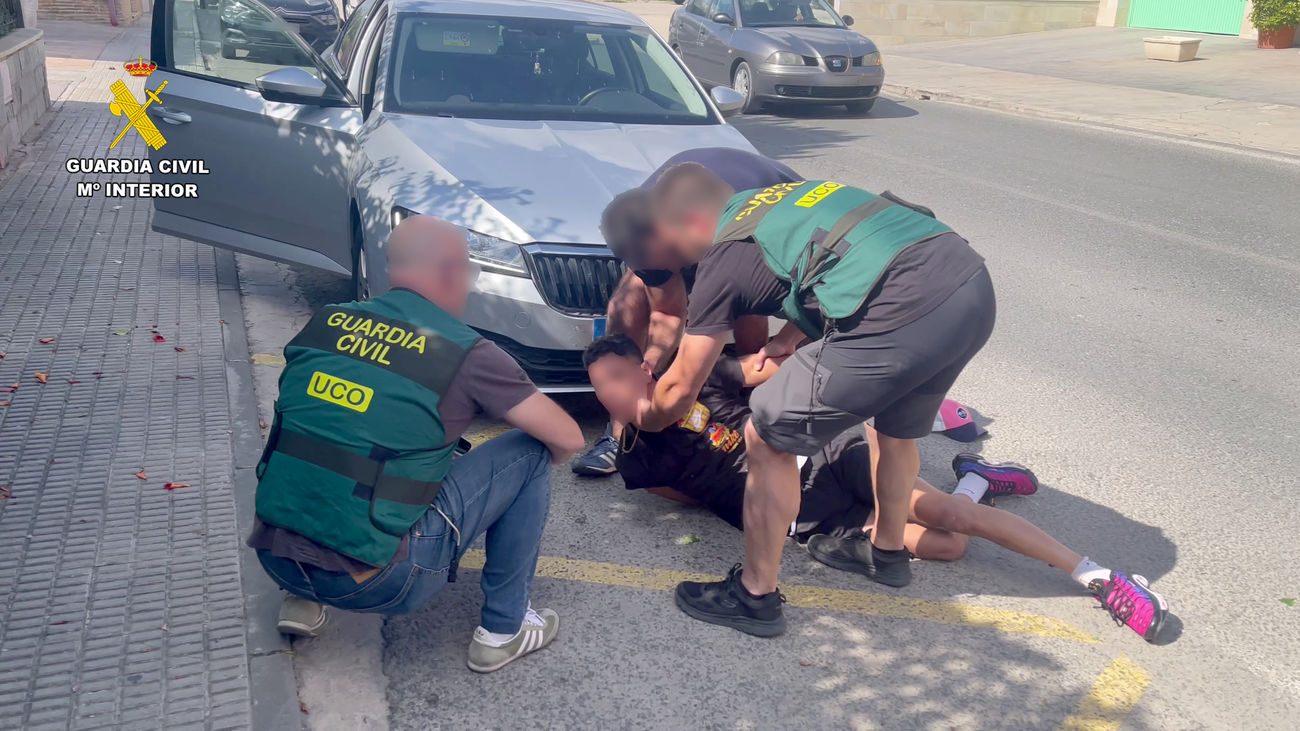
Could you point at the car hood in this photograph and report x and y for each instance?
(817, 41)
(532, 180)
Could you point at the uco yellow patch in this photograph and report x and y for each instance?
(696, 419)
(336, 390)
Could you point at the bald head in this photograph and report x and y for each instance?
(429, 256)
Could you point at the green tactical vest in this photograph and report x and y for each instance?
(828, 237)
(353, 457)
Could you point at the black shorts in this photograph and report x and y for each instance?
(836, 484)
(899, 377)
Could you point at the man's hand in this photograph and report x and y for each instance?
(680, 386)
(780, 347)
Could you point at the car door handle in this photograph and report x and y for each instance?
(168, 116)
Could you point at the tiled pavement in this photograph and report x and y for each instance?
(121, 603)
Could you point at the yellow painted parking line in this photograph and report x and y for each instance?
(1113, 696)
(812, 597)
(489, 432)
(272, 359)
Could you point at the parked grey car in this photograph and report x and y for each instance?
(517, 119)
(778, 50)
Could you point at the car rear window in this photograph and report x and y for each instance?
(529, 68)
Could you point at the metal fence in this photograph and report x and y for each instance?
(11, 15)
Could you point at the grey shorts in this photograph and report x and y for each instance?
(899, 377)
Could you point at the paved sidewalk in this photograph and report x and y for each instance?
(121, 602)
(1233, 94)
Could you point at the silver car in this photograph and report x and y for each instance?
(778, 50)
(517, 119)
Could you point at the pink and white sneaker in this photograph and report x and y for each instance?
(1005, 478)
(1130, 601)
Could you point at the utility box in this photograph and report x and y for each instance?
(1171, 48)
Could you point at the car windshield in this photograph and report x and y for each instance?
(777, 13)
(529, 68)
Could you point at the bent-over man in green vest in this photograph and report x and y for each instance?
(889, 305)
(359, 504)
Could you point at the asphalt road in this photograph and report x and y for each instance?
(1143, 365)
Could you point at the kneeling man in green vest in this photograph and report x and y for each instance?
(885, 306)
(360, 505)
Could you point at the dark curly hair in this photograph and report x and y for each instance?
(620, 345)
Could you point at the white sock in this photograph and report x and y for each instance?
(501, 639)
(1087, 571)
(972, 486)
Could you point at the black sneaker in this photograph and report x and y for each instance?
(730, 604)
(599, 461)
(856, 553)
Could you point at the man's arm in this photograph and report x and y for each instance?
(543, 419)
(667, 320)
(680, 386)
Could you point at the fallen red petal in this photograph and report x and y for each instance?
(141, 475)
(175, 485)
(158, 338)
(3, 354)
(45, 341)
(4, 403)
(42, 377)
(5, 492)
(179, 349)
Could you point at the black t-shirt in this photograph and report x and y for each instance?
(734, 280)
(702, 455)
(741, 170)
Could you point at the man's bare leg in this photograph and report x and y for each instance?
(771, 504)
(956, 514)
(895, 464)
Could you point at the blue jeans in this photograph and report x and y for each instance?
(501, 488)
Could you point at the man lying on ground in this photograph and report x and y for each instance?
(701, 461)
(649, 303)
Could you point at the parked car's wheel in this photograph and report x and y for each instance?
(360, 265)
(861, 107)
(742, 80)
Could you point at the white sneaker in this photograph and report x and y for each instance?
(538, 630)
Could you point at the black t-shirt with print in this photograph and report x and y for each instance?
(703, 455)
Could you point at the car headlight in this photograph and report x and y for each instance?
(492, 253)
(785, 58)
(872, 59)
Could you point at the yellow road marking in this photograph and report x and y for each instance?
(490, 432)
(812, 597)
(268, 359)
(1113, 696)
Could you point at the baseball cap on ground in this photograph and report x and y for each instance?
(954, 421)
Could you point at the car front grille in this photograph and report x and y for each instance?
(576, 284)
(837, 63)
(826, 92)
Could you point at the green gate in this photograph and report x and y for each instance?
(1202, 16)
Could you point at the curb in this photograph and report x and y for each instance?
(273, 688)
(915, 92)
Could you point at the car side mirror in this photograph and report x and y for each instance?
(290, 84)
(848, 19)
(723, 19)
(728, 100)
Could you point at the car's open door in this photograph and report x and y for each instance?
(274, 129)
